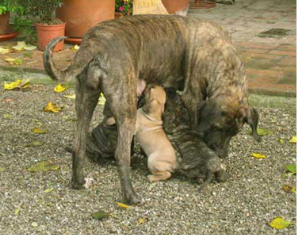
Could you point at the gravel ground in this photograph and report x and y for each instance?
(245, 204)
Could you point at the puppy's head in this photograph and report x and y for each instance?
(221, 119)
(155, 98)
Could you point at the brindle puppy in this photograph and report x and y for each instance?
(196, 160)
(171, 50)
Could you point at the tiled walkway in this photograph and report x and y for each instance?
(270, 59)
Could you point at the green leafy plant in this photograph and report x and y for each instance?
(124, 6)
(42, 10)
(10, 6)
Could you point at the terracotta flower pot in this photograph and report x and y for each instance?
(173, 6)
(4, 23)
(81, 15)
(45, 33)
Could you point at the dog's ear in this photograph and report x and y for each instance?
(252, 118)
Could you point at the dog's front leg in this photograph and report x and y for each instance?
(86, 101)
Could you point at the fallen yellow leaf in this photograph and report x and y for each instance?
(17, 211)
(43, 166)
(2, 169)
(52, 108)
(258, 155)
(293, 139)
(74, 48)
(289, 189)
(21, 45)
(60, 88)
(4, 50)
(39, 131)
(122, 205)
(48, 190)
(102, 99)
(279, 223)
(70, 96)
(34, 224)
(14, 61)
(140, 221)
(17, 84)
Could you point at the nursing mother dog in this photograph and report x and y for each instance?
(193, 55)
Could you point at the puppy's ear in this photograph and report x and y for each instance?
(252, 118)
(140, 87)
(204, 115)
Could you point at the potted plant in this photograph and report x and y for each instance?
(123, 7)
(81, 15)
(6, 7)
(47, 26)
(175, 6)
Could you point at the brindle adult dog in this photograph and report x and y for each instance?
(194, 54)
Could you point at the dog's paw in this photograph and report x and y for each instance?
(133, 199)
(77, 185)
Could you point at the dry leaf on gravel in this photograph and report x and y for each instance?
(60, 88)
(35, 143)
(17, 211)
(21, 45)
(43, 166)
(74, 48)
(17, 84)
(6, 116)
(122, 205)
(52, 108)
(70, 96)
(279, 223)
(2, 169)
(258, 155)
(293, 139)
(100, 215)
(14, 61)
(37, 130)
(4, 50)
(48, 190)
(289, 188)
(34, 224)
(291, 168)
(263, 132)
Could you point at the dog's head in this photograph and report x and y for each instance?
(220, 120)
(155, 98)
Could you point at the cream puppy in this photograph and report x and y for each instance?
(151, 136)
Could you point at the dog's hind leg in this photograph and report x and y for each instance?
(87, 95)
(123, 107)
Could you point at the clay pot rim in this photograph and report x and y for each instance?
(49, 25)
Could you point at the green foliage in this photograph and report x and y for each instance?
(10, 6)
(124, 6)
(24, 26)
(42, 10)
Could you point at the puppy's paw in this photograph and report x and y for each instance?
(152, 178)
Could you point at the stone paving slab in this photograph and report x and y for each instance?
(270, 62)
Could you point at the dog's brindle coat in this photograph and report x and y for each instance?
(169, 50)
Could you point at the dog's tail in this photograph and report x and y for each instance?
(56, 74)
